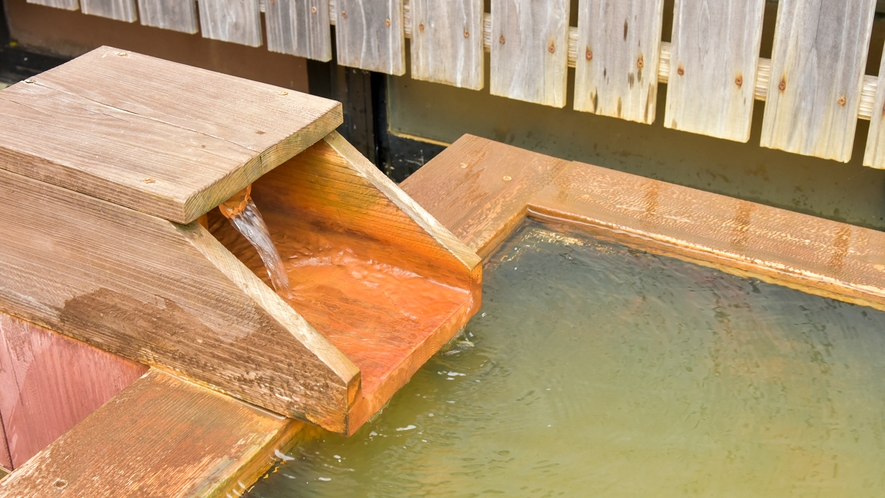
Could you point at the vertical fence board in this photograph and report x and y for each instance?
(121, 10)
(530, 50)
(299, 27)
(715, 50)
(874, 155)
(236, 21)
(58, 4)
(447, 42)
(370, 35)
(817, 67)
(616, 65)
(176, 15)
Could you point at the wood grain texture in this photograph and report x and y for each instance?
(58, 4)
(235, 21)
(48, 383)
(5, 457)
(479, 188)
(300, 28)
(446, 42)
(129, 147)
(369, 269)
(120, 10)
(817, 65)
(874, 154)
(618, 50)
(166, 295)
(161, 436)
(369, 35)
(176, 15)
(530, 50)
(715, 50)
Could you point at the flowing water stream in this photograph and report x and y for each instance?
(251, 225)
(597, 370)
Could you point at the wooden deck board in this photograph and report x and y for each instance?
(161, 436)
(129, 146)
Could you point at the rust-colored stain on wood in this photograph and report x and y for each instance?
(49, 383)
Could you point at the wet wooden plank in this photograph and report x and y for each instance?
(370, 269)
(446, 42)
(299, 27)
(817, 67)
(479, 188)
(120, 10)
(370, 35)
(58, 4)
(874, 154)
(235, 21)
(161, 436)
(5, 456)
(618, 52)
(50, 382)
(175, 15)
(128, 147)
(530, 50)
(715, 50)
(166, 295)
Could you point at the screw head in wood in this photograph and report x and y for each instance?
(60, 484)
(463, 165)
(507, 178)
(783, 84)
(29, 81)
(344, 14)
(841, 101)
(640, 63)
(501, 40)
(421, 27)
(680, 71)
(149, 180)
(589, 54)
(313, 10)
(387, 22)
(283, 92)
(552, 47)
(739, 81)
(466, 34)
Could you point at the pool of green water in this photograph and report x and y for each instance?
(594, 369)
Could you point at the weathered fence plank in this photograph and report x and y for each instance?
(121, 10)
(300, 28)
(370, 35)
(715, 50)
(58, 4)
(618, 50)
(236, 21)
(447, 42)
(817, 67)
(176, 15)
(530, 50)
(874, 155)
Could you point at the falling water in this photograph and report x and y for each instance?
(250, 223)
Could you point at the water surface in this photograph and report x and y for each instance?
(598, 370)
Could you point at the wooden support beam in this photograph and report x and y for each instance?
(161, 436)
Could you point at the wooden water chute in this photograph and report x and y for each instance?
(106, 164)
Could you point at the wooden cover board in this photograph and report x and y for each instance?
(715, 52)
(817, 68)
(159, 437)
(49, 382)
(163, 138)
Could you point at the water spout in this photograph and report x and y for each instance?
(245, 217)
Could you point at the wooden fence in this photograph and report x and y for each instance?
(814, 86)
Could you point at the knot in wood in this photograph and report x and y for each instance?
(501, 40)
(552, 47)
(841, 101)
(680, 71)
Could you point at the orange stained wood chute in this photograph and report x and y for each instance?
(384, 291)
